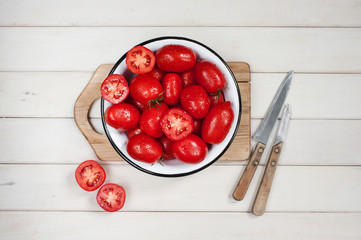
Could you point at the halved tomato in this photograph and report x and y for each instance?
(177, 124)
(115, 89)
(140, 60)
(90, 175)
(111, 197)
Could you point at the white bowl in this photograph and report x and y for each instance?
(176, 168)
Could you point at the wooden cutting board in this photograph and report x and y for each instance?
(238, 151)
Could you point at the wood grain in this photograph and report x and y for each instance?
(239, 150)
(264, 188)
(141, 13)
(247, 176)
(317, 189)
(309, 50)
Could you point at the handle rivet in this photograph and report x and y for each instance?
(260, 150)
(255, 162)
(277, 150)
(273, 163)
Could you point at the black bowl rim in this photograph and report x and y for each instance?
(177, 174)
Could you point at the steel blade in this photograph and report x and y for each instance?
(264, 129)
(282, 128)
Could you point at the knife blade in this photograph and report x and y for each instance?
(264, 189)
(262, 135)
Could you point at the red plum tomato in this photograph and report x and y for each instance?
(144, 148)
(123, 116)
(191, 149)
(209, 76)
(175, 58)
(217, 123)
(172, 85)
(195, 101)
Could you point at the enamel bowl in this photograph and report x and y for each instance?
(176, 168)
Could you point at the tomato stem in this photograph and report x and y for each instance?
(219, 92)
(154, 102)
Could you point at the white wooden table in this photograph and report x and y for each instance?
(48, 52)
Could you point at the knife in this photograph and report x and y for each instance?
(262, 135)
(266, 183)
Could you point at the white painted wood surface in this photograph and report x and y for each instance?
(49, 50)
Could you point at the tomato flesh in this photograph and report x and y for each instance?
(177, 124)
(90, 175)
(140, 60)
(111, 197)
(115, 89)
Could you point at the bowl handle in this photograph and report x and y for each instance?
(99, 142)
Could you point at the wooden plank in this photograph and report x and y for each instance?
(179, 225)
(295, 189)
(59, 141)
(34, 94)
(141, 13)
(319, 50)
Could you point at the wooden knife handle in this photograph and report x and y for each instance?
(248, 173)
(264, 189)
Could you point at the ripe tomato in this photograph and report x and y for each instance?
(90, 175)
(195, 101)
(209, 76)
(111, 197)
(144, 88)
(216, 98)
(188, 78)
(135, 131)
(151, 118)
(177, 124)
(156, 73)
(197, 126)
(123, 116)
(167, 147)
(144, 148)
(191, 149)
(115, 89)
(172, 85)
(140, 60)
(217, 123)
(141, 107)
(175, 58)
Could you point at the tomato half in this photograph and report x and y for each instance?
(217, 123)
(167, 147)
(111, 197)
(175, 58)
(177, 124)
(209, 76)
(195, 101)
(140, 60)
(150, 120)
(144, 88)
(144, 148)
(172, 85)
(123, 116)
(90, 175)
(191, 149)
(114, 89)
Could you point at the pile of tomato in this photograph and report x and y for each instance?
(174, 107)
